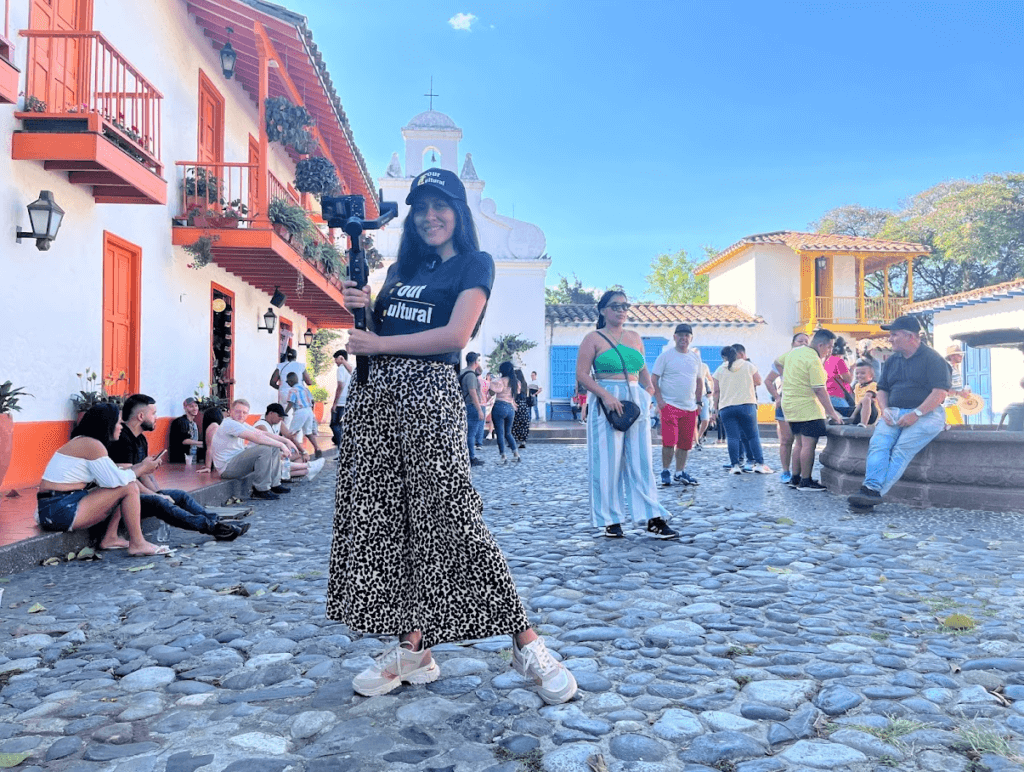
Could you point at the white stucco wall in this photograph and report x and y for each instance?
(1007, 364)
(735, 283)
(57, 304)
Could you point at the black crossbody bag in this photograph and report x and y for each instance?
(630, 410)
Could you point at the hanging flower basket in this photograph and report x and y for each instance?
(315, 175)
(286, 123)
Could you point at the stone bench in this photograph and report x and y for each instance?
(960, 468)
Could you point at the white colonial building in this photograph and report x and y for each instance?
(517, 300)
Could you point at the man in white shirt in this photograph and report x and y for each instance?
(279, 378)
(341, 393)
(679, 392)
(264, 456)
(298, 464)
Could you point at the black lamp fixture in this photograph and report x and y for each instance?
(307, 339)
(821, 262)
(269, 319)
(45, 216)
(228, 57)
(279, 297)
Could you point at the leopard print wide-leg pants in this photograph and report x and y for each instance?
(411, 550)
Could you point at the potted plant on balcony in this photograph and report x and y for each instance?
(9, 396)
(286, 123)
(315, 175)
(34, 104)
(290, 222)
(201, 187)
(201, 251)
(331, 259)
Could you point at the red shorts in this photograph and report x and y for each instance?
(678, 427)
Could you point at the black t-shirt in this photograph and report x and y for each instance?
(910, 381)
(425, 301)
(180, 431)
(129, 449)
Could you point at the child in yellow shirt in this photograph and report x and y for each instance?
(865, 411)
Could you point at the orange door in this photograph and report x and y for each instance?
(55, 61)
(211, 122)
(121, 269)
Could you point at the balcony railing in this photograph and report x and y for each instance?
(850, 310)
(81, 74)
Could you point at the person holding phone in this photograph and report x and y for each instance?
(174, 507)
(411, 555)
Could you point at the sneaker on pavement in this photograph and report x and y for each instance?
(685, 478)
(397, 664)
(267, 495)
(476, 461)
(786, 477)
(763, 469)
(746, 467)
(613, 531)
(659, 529)
(811, 485)
(502, 460)
(865, 497)
(555, 683)
(736, 469)
(666, 477)
(314, 468)
(281, 489)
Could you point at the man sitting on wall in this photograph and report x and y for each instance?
(298, 464)
(184, 445)
(264, 456)
(910, 393)
(174, 507)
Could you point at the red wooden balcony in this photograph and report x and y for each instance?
(89, 112)
(220, 201)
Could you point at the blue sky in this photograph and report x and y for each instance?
(629, 129)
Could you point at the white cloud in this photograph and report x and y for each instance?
(462, 21)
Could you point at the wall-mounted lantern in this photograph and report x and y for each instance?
(269, 320)
(307, 338)
(46, 217)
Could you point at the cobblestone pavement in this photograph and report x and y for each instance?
(780, 633)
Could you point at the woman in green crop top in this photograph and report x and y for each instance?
(621, 470)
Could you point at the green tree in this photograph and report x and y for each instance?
(565, 293)
(852, 220)
(508, 348)
(672, 278)
(318, 357)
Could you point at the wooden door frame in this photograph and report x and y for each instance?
(133, 371)
(207, 86)
(214, 287)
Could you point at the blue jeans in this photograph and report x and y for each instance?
(535, 409)
(741, 427)
(501, 415)
(474, 423)
(841, 405)
(185, 512)
(892, 448)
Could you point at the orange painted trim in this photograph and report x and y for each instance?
(135, 366)
(142, 185)
(214, 287)
(8, 82)
(35, 442)
(206, 86)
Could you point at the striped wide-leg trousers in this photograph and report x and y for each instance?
(621, 469)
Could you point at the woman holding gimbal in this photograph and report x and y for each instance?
(411, 555)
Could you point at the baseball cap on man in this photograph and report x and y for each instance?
(439, 181)
(908, 323)
(683, 328)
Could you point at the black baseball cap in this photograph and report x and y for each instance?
(683, 328)
(440, 181)
(908, 323)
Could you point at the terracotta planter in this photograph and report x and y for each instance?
(283, 232)
(318, 411)
(6, 444)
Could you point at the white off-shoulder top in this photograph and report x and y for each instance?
(102, 471)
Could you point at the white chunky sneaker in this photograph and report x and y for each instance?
(314, 468)
(555, 683)
(397, 664)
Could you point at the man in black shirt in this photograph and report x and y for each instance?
(185, 443)
(174, 507)
(910, 393)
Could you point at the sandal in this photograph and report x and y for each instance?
(163, 549)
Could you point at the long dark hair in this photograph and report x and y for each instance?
(413, 251)
(212, 415)
(523, 385)
(729, 355)
(99, 422)
(506, 370)
(606, 298)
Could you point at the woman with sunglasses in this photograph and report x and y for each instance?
(620, 462)
(411, 555)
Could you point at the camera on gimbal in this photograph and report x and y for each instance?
(349, 213)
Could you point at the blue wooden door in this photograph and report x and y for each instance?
(652, 348)
(977, 366)
(563, 372)
(711, 356)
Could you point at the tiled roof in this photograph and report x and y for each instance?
(817, 242)
(658, 314)
(972, 297)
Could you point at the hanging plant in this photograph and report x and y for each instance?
(315, 175)
(292, 219)
(332, 258)
(286, 124)
(201, 251)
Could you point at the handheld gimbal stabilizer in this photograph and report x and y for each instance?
(347, 213)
